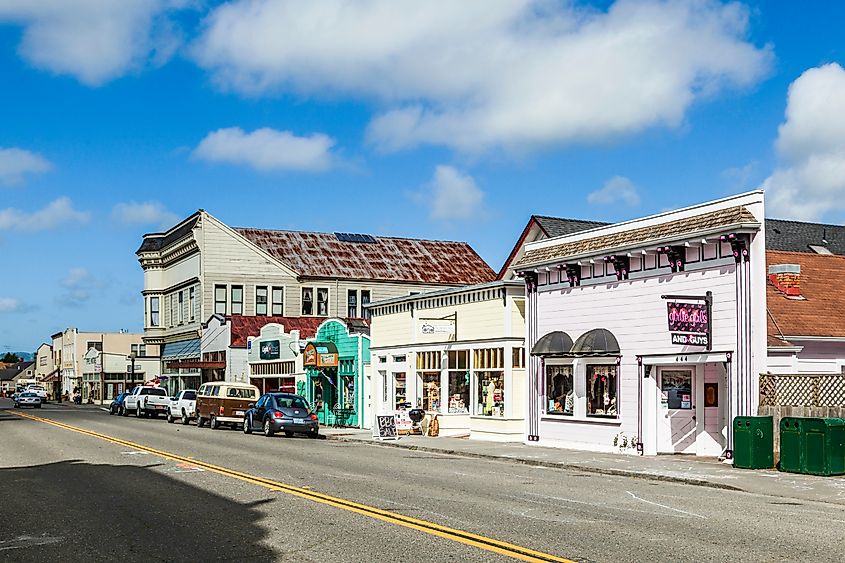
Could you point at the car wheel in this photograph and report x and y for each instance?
(268, 429)
(121, 411)
(138, 412)
(170, 418)
(247, 425)
(111, 411)
(38, 406)
(314, 435)
(213, 423)
(288, 433)
(185, 419)
(199, 421)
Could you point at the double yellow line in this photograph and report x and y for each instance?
(466, 538)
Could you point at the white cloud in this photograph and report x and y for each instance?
(78, 285)
(477, 74)
(811, 142)
(9, 305)
(55, 214)
(93, 40)
(267, 149)
(451, 195)
(16, 163)
(144, 213)
(618, 188)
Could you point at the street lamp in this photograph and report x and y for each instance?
(132, 356)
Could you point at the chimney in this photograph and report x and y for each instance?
(786, 278)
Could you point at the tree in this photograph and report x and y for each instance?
(10, 358)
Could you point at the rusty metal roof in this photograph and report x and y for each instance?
(738, 215)
(324, 255)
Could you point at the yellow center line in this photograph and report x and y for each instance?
(466, 538)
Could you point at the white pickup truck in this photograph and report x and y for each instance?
(183, 406)
(38, 390)
(146, 401)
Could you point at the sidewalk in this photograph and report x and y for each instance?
(705, 472)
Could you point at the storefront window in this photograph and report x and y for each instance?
(491, 393)
(431, 390)
(560, 392)
(601, 390)
(458, 364)
(400, 387)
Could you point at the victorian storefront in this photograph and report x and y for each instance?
(640, 333)
(337, 363)
(458, 354)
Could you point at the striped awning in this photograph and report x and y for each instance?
(181, 350)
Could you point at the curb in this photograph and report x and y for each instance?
(551, 464)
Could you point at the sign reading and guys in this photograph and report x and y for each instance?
(689, 323)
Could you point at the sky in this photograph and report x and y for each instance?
(436, 119)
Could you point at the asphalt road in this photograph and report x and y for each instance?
(73, 496)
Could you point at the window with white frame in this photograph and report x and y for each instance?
(278, 301)
(237, 300)
(154, 311)
(173, 310)
(181, 309)
(602, 389)
(560, 392)
(385, 387)
(322, 301)
(261, 300)
(192, 303)
(307, 301)
(140, 350)
(458, 366)
(352, 303)
(220, 299)
(365, 300)
(488, 369)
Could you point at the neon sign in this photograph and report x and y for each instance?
(689, 323)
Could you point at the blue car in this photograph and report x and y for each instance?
(116, 406)
(282, 412)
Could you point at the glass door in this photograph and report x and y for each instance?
(676, 419)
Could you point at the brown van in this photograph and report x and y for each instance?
(221, 402)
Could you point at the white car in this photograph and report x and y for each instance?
(182, 406)
(38, 390)
(27, 399)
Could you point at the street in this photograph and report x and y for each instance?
(80, 491)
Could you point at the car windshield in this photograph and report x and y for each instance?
(28, 395)
(290, 402)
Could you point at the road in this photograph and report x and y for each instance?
(100, 487)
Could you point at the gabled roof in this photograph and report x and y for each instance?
(14, 370)
(654, 234)
(797, 236)
(325, 255)
(818, 314)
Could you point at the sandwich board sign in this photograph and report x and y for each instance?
(385, 427)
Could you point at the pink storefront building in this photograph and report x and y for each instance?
(648, 336)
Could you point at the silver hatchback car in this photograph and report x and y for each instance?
(27, 399)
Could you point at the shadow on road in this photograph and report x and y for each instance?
(76, 511)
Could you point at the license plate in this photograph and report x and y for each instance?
(239, 413)
(299, 421)
(159, 407)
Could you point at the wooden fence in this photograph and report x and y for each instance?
(812, 395)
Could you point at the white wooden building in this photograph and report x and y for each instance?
(642, 331)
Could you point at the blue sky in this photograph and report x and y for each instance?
(435, 119)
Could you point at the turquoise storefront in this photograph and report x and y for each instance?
(334, 364)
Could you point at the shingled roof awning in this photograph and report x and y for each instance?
(734, 217)
(556, 343)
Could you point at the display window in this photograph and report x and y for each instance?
(491, 393)
(430, 391)
(602, 388)
(458, 364)
(560, 391)
(400, 390)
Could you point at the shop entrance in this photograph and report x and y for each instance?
(676, 420)
(323, 396)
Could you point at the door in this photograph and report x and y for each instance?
(260, 411)
(676, 421)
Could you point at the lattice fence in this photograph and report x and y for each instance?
(802, 390)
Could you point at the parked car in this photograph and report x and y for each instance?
(182, 406)
(39, 390)
(282, 412)
(146, 401)
(27, 399)
(117, 405)
(223, 402)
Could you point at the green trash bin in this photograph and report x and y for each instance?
(824, 443)
(754, 443)
(792, 445)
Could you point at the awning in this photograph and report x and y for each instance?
(183, 349)
(556, 343)
(596, 342)
(195, 364)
